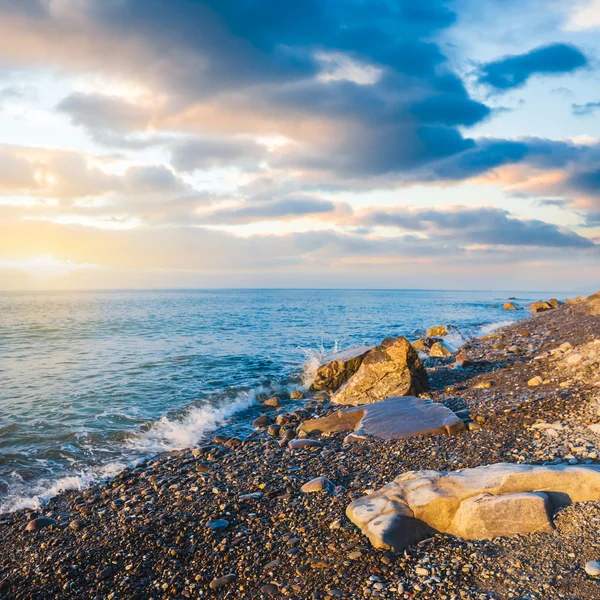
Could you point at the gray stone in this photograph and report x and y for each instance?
(398, 417)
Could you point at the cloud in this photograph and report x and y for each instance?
(206, 153)
(489, 226)
(514, 71)
(581, 110)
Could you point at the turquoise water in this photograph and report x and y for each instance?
(93, 381)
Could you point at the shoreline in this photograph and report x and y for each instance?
(144, 534)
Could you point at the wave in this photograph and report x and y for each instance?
(491, 327)
(175, 434)
(165, 434)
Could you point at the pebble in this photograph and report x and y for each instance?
(40, 523)
(319, 484)
(592, 568)
(219, 582)
(218, 524)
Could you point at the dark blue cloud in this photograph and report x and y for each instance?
(489, 226)
(513, 71)
(580, 110)
(587, 182)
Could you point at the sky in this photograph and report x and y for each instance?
(440, 144)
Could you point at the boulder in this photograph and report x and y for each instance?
(338, 368)
(391, 369)
(399, 417)
(441, 349)
(509, 306)
(438, 331)
(424, 344)
(593, 304)
(479, 503)
(554, 303)
(537, 307)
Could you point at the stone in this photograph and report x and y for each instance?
(592, 568)
(535, 381)
(262, 421)
(440, 349)
(509, 306)
(537, 307)
(424, 344)
(391, 369)
(477, 503)
(296, 395)
(396, 417)
(219, 582)
(487, 516)
(319, 484)
(337, 368)
(272, 402)
(592, 303)
(437, 331)
(301, 444)
(218, 524)
(575, 358)
(554, 303)
(595, 427)
(40, 523)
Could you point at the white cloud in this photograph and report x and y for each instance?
(584, 15)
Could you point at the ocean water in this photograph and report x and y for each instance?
(93, 381)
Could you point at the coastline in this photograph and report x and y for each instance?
(144, 534)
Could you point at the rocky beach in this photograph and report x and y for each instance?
(408, 470)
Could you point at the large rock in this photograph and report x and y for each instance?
(593, 304)
(438, 331)
(441, 349)
(484, 502)
(399, 417)
(338, 368)
(425, 344)
(537, 307)
(391, 369)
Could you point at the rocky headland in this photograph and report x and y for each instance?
(410, 470)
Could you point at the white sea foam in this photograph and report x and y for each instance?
(491, 327)
(164, 435)
(183, 432)
(25, 496)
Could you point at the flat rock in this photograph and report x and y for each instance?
(479, 503)
(300, 444)
(337, 368)
(592, 568)
(397, 417)
(391, 369)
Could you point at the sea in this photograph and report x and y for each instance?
(94, 381)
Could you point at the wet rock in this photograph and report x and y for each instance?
(438, 331)
(297, 395)
(440, 349)
(272, 402)
(509, 306)
(391, 369)
(425, 344)
(262, 421)
(338, 368)
(537, 307)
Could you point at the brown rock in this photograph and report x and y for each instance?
(398, 417)
(272, 402)
(40, 523)
(338, 368)
(537, 307)
(440, 349)
(438, 331)
(391, 369)
(500, 499)
(509, 306)
(424, 344)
